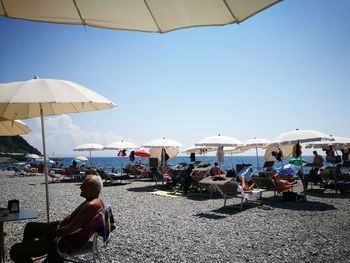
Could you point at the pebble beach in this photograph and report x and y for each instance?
(195, 227)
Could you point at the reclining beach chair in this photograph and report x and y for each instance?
(73, 248)
(108, 180)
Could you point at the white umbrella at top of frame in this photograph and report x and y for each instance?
(44, 97)
(149, 16)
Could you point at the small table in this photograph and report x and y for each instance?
(23, 214)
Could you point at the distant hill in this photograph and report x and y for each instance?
(16, 144)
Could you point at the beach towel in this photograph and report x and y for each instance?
(254, 195)
(170, 193)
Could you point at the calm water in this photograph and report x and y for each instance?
(109, 162)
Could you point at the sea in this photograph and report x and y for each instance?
(107, 163)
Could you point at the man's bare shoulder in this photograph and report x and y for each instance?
(95, 204)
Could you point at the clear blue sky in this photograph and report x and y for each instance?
(285, 68)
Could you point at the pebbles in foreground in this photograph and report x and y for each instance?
(196, 228)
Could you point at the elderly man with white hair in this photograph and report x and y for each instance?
(39, 238)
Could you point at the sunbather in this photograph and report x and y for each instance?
(39, 238)
(283, 185)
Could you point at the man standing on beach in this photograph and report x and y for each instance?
(39, 238)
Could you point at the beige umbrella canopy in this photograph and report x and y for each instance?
(140, 15)
(43, 97)
(13, 128)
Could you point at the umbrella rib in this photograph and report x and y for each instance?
(3, 7)
(79, 13)
(149, 10)
(231, 12)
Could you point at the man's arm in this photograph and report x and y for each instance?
(87, 211)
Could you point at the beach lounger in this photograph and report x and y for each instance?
(110, 179)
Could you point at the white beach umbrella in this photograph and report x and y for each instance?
(234, 150)
(121, 145)
(338, 143)
(202, 150)
(158, 147)
(163, 143)
(88, 147)
(149, 16)
(43, 97)
(198, 149)
(257, 143)
(220, 142)
(286, 150)
(13, 128)
(300, 136)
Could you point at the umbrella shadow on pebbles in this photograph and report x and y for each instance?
(299, 206)
(142, 189)
(322, 194)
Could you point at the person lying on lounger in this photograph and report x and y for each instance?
(39, 238)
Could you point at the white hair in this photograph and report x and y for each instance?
(96, 181)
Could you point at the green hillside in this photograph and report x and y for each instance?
(16, 144)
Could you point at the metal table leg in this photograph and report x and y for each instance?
(2, 243)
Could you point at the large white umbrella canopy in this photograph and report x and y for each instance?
(43, 97)
(140, 15)
(13, 128)
(302, 136)
(338, 142)
(257, 143)
(89, 147)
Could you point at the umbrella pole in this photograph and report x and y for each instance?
(45, 165)
(257, 156)
(90, 158)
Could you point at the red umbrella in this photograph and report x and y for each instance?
(142, 153)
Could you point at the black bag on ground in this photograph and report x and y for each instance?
(289, 196)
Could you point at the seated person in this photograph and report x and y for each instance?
(39, 238)
(283, 185)
(73, 169)
(314, 175)
(216, 170)
(245, 178)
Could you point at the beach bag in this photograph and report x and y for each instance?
(289, 196)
